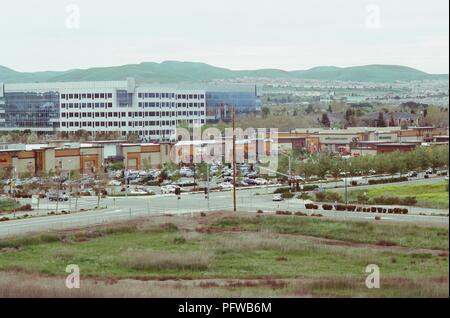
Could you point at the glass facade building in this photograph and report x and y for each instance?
(221, 100)
(30, 110)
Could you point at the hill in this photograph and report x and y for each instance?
(173, 71)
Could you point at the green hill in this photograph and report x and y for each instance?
(173, 71)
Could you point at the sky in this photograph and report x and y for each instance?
(38, 35)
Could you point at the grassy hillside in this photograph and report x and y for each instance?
(222, 255)
(173, 71)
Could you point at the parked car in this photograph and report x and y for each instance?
(55, 197)
(114, 183)
(242, 183)
(250, 181)
(261, 181)
(252, 175)
(412, 174)
(170, 188)
(277, 197)
(226, 186)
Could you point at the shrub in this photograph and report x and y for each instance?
(328, 197)
(351, 208)
(259, 211)
(310, 187)
(394, 200)
(283, 213)
(373, 209)
(320, 196)
(340, 207)
(281, 190)
(287, 195)
(388, 180)
(304, 196)
(300, 214)
(179, 240)
(327, 207)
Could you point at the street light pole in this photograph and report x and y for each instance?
(234, 159)
(207, 183)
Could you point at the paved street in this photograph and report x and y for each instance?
(249, 200)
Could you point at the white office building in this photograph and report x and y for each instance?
(151, 111)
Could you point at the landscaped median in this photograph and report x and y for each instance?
(8, 206)
(422, 195)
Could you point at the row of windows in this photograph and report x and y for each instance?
(124, 123)
(86, 105)
(164, 104)
(86, 95)
(131, 114)
(171, 95)
(141, 104)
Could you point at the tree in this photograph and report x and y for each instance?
(265, 112)
(202, 170)
(380, 120)
(348, 114)
(325, 120)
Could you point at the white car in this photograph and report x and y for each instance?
(226, 186)
(261, 181)
(277, 197)
(170, 188)
(114, 183)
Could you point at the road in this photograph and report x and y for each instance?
(248, 200)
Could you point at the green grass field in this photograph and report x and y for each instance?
(428, 196)
(263, 247)
(8, 205)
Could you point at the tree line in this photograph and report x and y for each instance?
(324, 164)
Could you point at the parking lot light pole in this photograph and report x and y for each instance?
(234, 159)
(207, 183)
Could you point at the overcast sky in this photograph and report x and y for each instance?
(238, 34)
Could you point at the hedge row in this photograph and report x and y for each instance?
(354, 208)
(388, 180)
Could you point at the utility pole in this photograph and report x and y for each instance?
(234, 158)
(207, 183)
(345, 183)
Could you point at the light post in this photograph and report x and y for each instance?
(207, 183)
(289, 165)
(345, 180)
(70, 184)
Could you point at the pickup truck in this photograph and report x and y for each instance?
(55, 197)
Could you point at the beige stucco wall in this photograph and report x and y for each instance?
(25, 166)
(71, 163)
(50, 161)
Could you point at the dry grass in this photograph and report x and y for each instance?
(158, 260)
(246, 242)
(24, 285)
